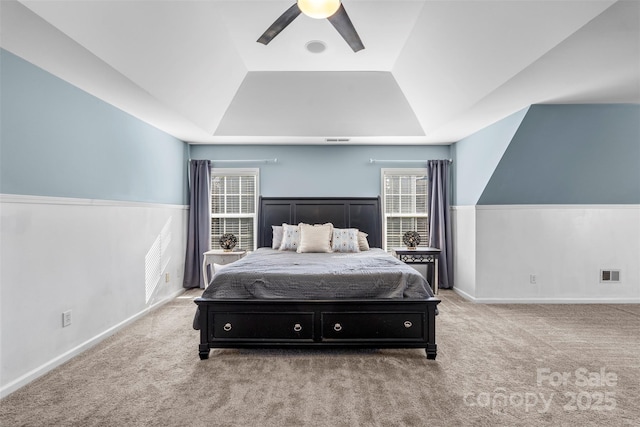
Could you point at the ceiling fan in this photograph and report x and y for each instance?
(333, 10)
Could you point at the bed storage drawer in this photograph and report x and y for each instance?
(343, 323)
(262, 326)
(372, 325)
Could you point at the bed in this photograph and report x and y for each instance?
(350, 299)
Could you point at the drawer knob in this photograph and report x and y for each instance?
(407, 324)
(227, 327)
(297, 327)
(337, 327)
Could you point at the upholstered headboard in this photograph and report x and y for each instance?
(362, 213)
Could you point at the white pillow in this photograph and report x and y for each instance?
(330, 234)
(315, 238)
(363, 243)
(345, 240)
(290, 237)
(277, 236)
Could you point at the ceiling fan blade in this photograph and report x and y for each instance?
(280, 24)
(340, 20)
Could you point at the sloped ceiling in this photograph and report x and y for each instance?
(431, 72)
(358, 104)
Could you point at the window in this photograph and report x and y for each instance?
(234, 201)
(404, 201)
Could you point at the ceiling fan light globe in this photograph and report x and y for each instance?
(319, 9)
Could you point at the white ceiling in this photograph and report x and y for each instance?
(432, 71)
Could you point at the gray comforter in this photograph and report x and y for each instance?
(269, 273)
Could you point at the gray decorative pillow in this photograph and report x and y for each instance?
(363, 243)
(277, 236)
(345, 240)
(290, 237)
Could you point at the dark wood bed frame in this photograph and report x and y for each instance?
(350, 323)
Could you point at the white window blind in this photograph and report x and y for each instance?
(404, 205)
(234, 195)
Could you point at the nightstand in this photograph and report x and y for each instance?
(421, 255)
(219, 256)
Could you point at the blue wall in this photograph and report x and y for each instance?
(57, 140)
(476, 157)
(319, 171)
(571, 154)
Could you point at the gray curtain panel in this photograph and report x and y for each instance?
(438, 210)
(199, 228)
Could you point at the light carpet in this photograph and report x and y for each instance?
(497, 365)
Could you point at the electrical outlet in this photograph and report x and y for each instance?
(166, 278)
(533, 279)
(66, 318)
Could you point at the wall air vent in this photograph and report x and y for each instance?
(610, 276)
(337, 139)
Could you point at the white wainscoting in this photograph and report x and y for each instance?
(463, 219)
(87, 256)
(564, 246)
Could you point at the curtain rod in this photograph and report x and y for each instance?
(244, 161)
(402, 161)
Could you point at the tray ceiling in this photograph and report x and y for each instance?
(431, 72)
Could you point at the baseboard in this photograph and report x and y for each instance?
(546, 300)
(557, 300)
(464, 295)
(52, 364)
